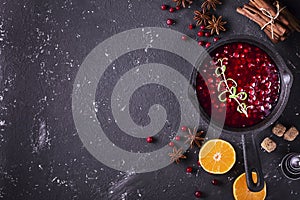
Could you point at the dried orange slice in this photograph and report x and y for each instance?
(241, 191)
(217, 156)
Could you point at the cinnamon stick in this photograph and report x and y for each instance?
(272, 9)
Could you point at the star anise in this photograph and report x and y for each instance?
(208, 4)
(216, 25)
(194, 137)
(183, 3)
(176, 155)
(201, 17)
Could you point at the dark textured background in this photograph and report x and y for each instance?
(42, 45)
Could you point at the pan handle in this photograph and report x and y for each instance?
(252, 164)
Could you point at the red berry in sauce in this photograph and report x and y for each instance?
(183, 128)
(177, 138)
(177, 7)
(202, 27)
(171, 144)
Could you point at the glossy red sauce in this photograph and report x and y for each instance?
(254, 73)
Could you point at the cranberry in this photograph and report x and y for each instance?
(177, 7)
(164, 7)
(201, 43)
(171, 144)
(200, 33)
(183, 128)
(202, 27)
(183, 37)
(198, 163)
(191, 26)
(177, 138)
(214, 182)
(189, 169)
(171, 9)
(216, 39)
(149, 139)
(207, 44)
(207, 34)
(170, 22)
(198, 194)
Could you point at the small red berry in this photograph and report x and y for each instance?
(183, 128)
(183, 37)
(164, 7)
(149, 139)
(171, 144)
(200, 33)
(170, 22)
(198, 163)
(177, 7)
(198, 194)
(216, 39)
(189, 169)
(177, 138)
(214, 182)
(207, 34)
(191, 26)
(202, 27)
(201, 43)
(171, 9)
(207, 44)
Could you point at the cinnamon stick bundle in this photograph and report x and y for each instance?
(275, 20)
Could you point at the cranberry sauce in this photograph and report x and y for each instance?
(255, 78)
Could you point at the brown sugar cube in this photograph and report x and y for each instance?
(268, 145)
(291, 134)
(279, 130)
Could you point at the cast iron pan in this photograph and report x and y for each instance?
(250, 151)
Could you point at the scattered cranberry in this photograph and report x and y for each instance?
(171, 9)
(164, 7)
(215, 182)
(207, 34)
(200, 33)
(202, 27)
(170, 22)
(201, 43)
(177, 7)
(171, 144)
(183, 37)
(183, 128)
(216, 39)
(191, 26)
(198, 163)
(177, 138)
(149, 139)
(189, 169)
(207, 44)
(198, 194)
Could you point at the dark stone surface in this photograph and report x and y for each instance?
(43, 44)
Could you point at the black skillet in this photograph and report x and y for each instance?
(250, 152)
